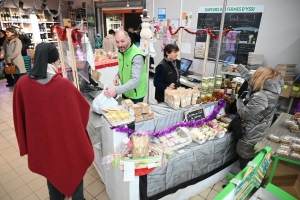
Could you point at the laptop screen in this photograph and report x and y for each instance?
(185, 64)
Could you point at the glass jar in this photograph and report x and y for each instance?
(218, 81)
(209, 93)
(203, 93)
(211, 83)
(205, 81)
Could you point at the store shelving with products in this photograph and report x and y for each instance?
(45, 21)
(37, 26)
(113, 21)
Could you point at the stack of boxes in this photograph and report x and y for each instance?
(141, 111)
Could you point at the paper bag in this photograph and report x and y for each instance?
(140, 146)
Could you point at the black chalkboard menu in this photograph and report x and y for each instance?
(195, 114)
(245, 23)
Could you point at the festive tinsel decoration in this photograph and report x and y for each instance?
(297, 108)
(207, 30)
(201, 122)
(61, 32)
(76, 36)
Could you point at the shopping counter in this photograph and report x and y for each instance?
(190, 165)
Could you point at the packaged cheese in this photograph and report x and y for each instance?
(139, 118)
(148, 116)
(136, 110)
(145, 107)
(126, 103)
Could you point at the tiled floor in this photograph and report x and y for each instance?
(18, 182)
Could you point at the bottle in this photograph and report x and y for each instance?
(8, 17)
(223, 86)
(229, 88)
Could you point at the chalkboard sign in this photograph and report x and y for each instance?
(195, 114)
(244, 19)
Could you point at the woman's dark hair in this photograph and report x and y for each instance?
(12, 30)
(169, 48)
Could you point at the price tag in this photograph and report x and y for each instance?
(151, 165)
(181, 151)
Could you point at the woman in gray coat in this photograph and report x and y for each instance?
(266, 84)
(13, 52)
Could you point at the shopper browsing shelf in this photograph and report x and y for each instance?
(266, 84)
(131, 80)
(25, 40)
(50, 118)
(13, 53)
(167, 73)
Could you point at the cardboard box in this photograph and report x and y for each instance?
(286, 69)
(96, 75)
(290, 184)
(287, 89)
(286, 177)
(261, 193)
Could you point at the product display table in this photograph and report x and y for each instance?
(279, 129)
(194, 161)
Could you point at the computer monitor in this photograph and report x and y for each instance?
(185, 64)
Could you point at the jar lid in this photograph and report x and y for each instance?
(219, 76)
(205, 78)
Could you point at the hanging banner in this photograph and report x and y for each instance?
(244, 22)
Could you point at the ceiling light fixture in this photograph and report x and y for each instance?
(127, 4)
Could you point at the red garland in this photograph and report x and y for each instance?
(60, 31)
(76, 36)
(207, 30)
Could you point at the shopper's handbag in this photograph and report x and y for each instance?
(236, 127)
(11, 69)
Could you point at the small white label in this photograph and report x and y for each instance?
(181, 151)
(151, 165)
(177, 103)
(128, 171)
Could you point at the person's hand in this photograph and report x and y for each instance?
(110, 92)
(233, 66)
(116, 81)
(171, 86)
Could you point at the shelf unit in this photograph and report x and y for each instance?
(31, 24)
(113, 21)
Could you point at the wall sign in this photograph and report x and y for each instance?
(245, 23)
(162, 13)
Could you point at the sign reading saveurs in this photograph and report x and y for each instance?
(232, 9)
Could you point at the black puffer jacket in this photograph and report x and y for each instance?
(258, 112)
